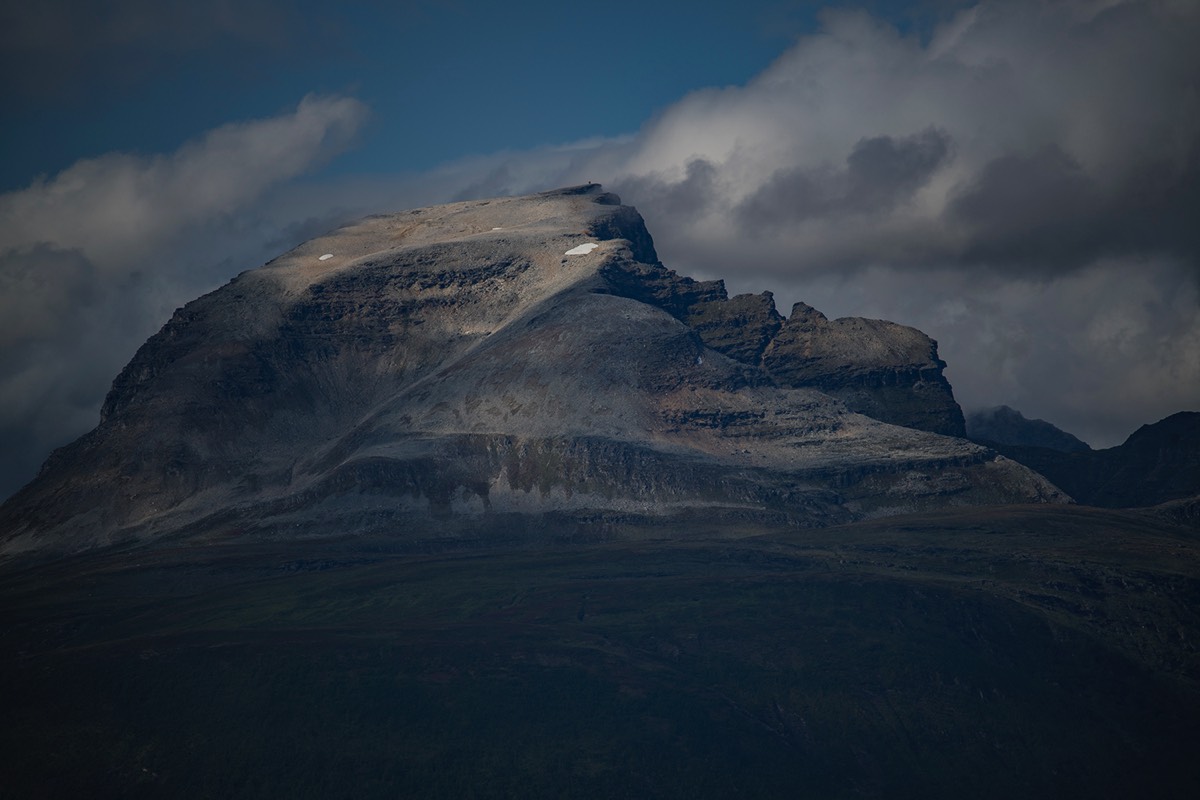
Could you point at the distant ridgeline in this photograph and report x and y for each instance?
(1157, 464)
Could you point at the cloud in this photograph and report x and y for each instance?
(880, 173)
(93, 259)
(1033, 164)
(1030, 137)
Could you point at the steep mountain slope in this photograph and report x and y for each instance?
(495, 365)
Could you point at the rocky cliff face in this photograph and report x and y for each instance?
(887, 371)
(878, 368)
(502, 365)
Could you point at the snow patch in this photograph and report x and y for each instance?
(582, 249)
(325, 257)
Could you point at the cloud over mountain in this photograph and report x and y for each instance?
(93, 259)
(1023, 137)
(1043, 153)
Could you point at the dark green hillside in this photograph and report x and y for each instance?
(1004, 652)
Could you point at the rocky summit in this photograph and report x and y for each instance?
(505, 365)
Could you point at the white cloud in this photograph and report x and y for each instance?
(93, 259)
(1023, 186)
(119, 208)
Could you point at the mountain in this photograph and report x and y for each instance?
(483, 500)
(1157, 464)
(507, 366)
(1004, 425)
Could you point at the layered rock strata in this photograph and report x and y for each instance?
(501, 365)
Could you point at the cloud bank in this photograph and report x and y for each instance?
(93, 260)
(1023, 185)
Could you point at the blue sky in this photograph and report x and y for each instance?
(442, 79)
(1019, 179)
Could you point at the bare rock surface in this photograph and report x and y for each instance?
(887, 371)
(481, 366)
(740, 327)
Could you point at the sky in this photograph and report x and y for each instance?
(1019, 179)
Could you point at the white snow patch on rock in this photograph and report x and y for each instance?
(325, 257)
(582, 249)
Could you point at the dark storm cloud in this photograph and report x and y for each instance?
(684, 199)
(41, 290)
(1041, 208)
(881, 172)
(58, 318)
(1044, 212)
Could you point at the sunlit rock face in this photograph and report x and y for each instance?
(887, 371)
(504, 365)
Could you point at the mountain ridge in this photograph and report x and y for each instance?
(492, 362)
(1159, 463)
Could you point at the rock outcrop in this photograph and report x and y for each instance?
(887, 371)
(741, 327)
(504, 365)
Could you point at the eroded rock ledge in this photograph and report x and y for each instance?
(887, 371)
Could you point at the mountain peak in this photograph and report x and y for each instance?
(512, 365)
